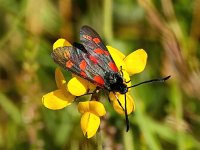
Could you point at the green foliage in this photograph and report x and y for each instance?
(166, 116)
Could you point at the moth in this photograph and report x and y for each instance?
(92, 61)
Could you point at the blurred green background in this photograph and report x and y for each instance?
(166, 116)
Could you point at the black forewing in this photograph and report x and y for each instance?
(87, 36)
(70, 58)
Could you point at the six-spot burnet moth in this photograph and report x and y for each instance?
(92, 61)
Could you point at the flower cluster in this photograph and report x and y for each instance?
(92, 110)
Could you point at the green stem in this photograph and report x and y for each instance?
(146, 130)
(177, 98)
(99, 140)
(108, 19)
(16, 22)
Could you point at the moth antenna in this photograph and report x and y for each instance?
(126, 115)
(108, 97)
(124, 109)
(151, 81)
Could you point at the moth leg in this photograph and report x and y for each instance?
(123, 75)
(118, 100)
(95, 94)
(127, 81)
(125, 111)
(121, 71)
(108, 96)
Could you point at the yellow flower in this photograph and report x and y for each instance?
(121, 97)
(91, 112)
(137, 58)
(131, 64)
(60, 98)
(79, 86)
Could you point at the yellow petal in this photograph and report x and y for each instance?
(136, 61)
(117, 57)
(87, 83)
(83, 107)
(112, 96)
(60, 80)
(94, 107)
(126, 78)
(60, 43)
(91, 86)
(56, 100)
(114, 50)
(77, 87)
(97, 108)
(64, 89)
(130, 106)
(89, 124)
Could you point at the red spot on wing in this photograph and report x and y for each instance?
(93, 59)
(96, 40)
(69, 64)
(113, 66)
(106, 53)
(83, 65)
(83, 74)
(99, 80)
(67, 54)
(99, 51)
(87, 37)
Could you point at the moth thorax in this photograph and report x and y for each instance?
(123, 89)
(116, 83)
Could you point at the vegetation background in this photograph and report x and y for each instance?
(166, 116)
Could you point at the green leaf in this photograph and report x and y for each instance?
(10, 108)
